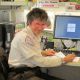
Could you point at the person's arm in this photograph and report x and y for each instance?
(37, 59)
(49, 61)
(69, 57)
(52, 61)
(32, 53)
(48, 52)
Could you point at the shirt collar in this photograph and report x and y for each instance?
(28, 30)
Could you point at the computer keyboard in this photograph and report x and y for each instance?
(66, 51)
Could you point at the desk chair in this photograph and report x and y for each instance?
(30, 72)
(21, 73)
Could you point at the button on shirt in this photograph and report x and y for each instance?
(25, 50)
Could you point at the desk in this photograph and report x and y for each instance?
(69, 71)
(65, 72)
(73, 63)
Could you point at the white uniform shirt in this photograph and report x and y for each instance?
(25, 50)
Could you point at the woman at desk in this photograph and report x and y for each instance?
(25, 47)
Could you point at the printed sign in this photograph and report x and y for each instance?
(47, 4)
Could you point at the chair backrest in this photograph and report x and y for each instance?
(3, 63)
(2, 76)
(1, 51)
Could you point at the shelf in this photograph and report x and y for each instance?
(15, 3)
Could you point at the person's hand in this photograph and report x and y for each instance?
(69, 57)
(48, 52)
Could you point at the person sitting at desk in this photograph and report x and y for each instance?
(25, 47)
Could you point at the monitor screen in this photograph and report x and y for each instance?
(67, 27)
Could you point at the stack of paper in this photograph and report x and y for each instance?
(76, 59)
(60, 54)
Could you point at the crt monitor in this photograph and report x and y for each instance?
(67, 27)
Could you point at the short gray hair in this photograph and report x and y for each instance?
(37, 13)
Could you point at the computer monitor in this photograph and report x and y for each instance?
(67, 27)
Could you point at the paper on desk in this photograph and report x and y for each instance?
(60, 54)
(76, 59)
